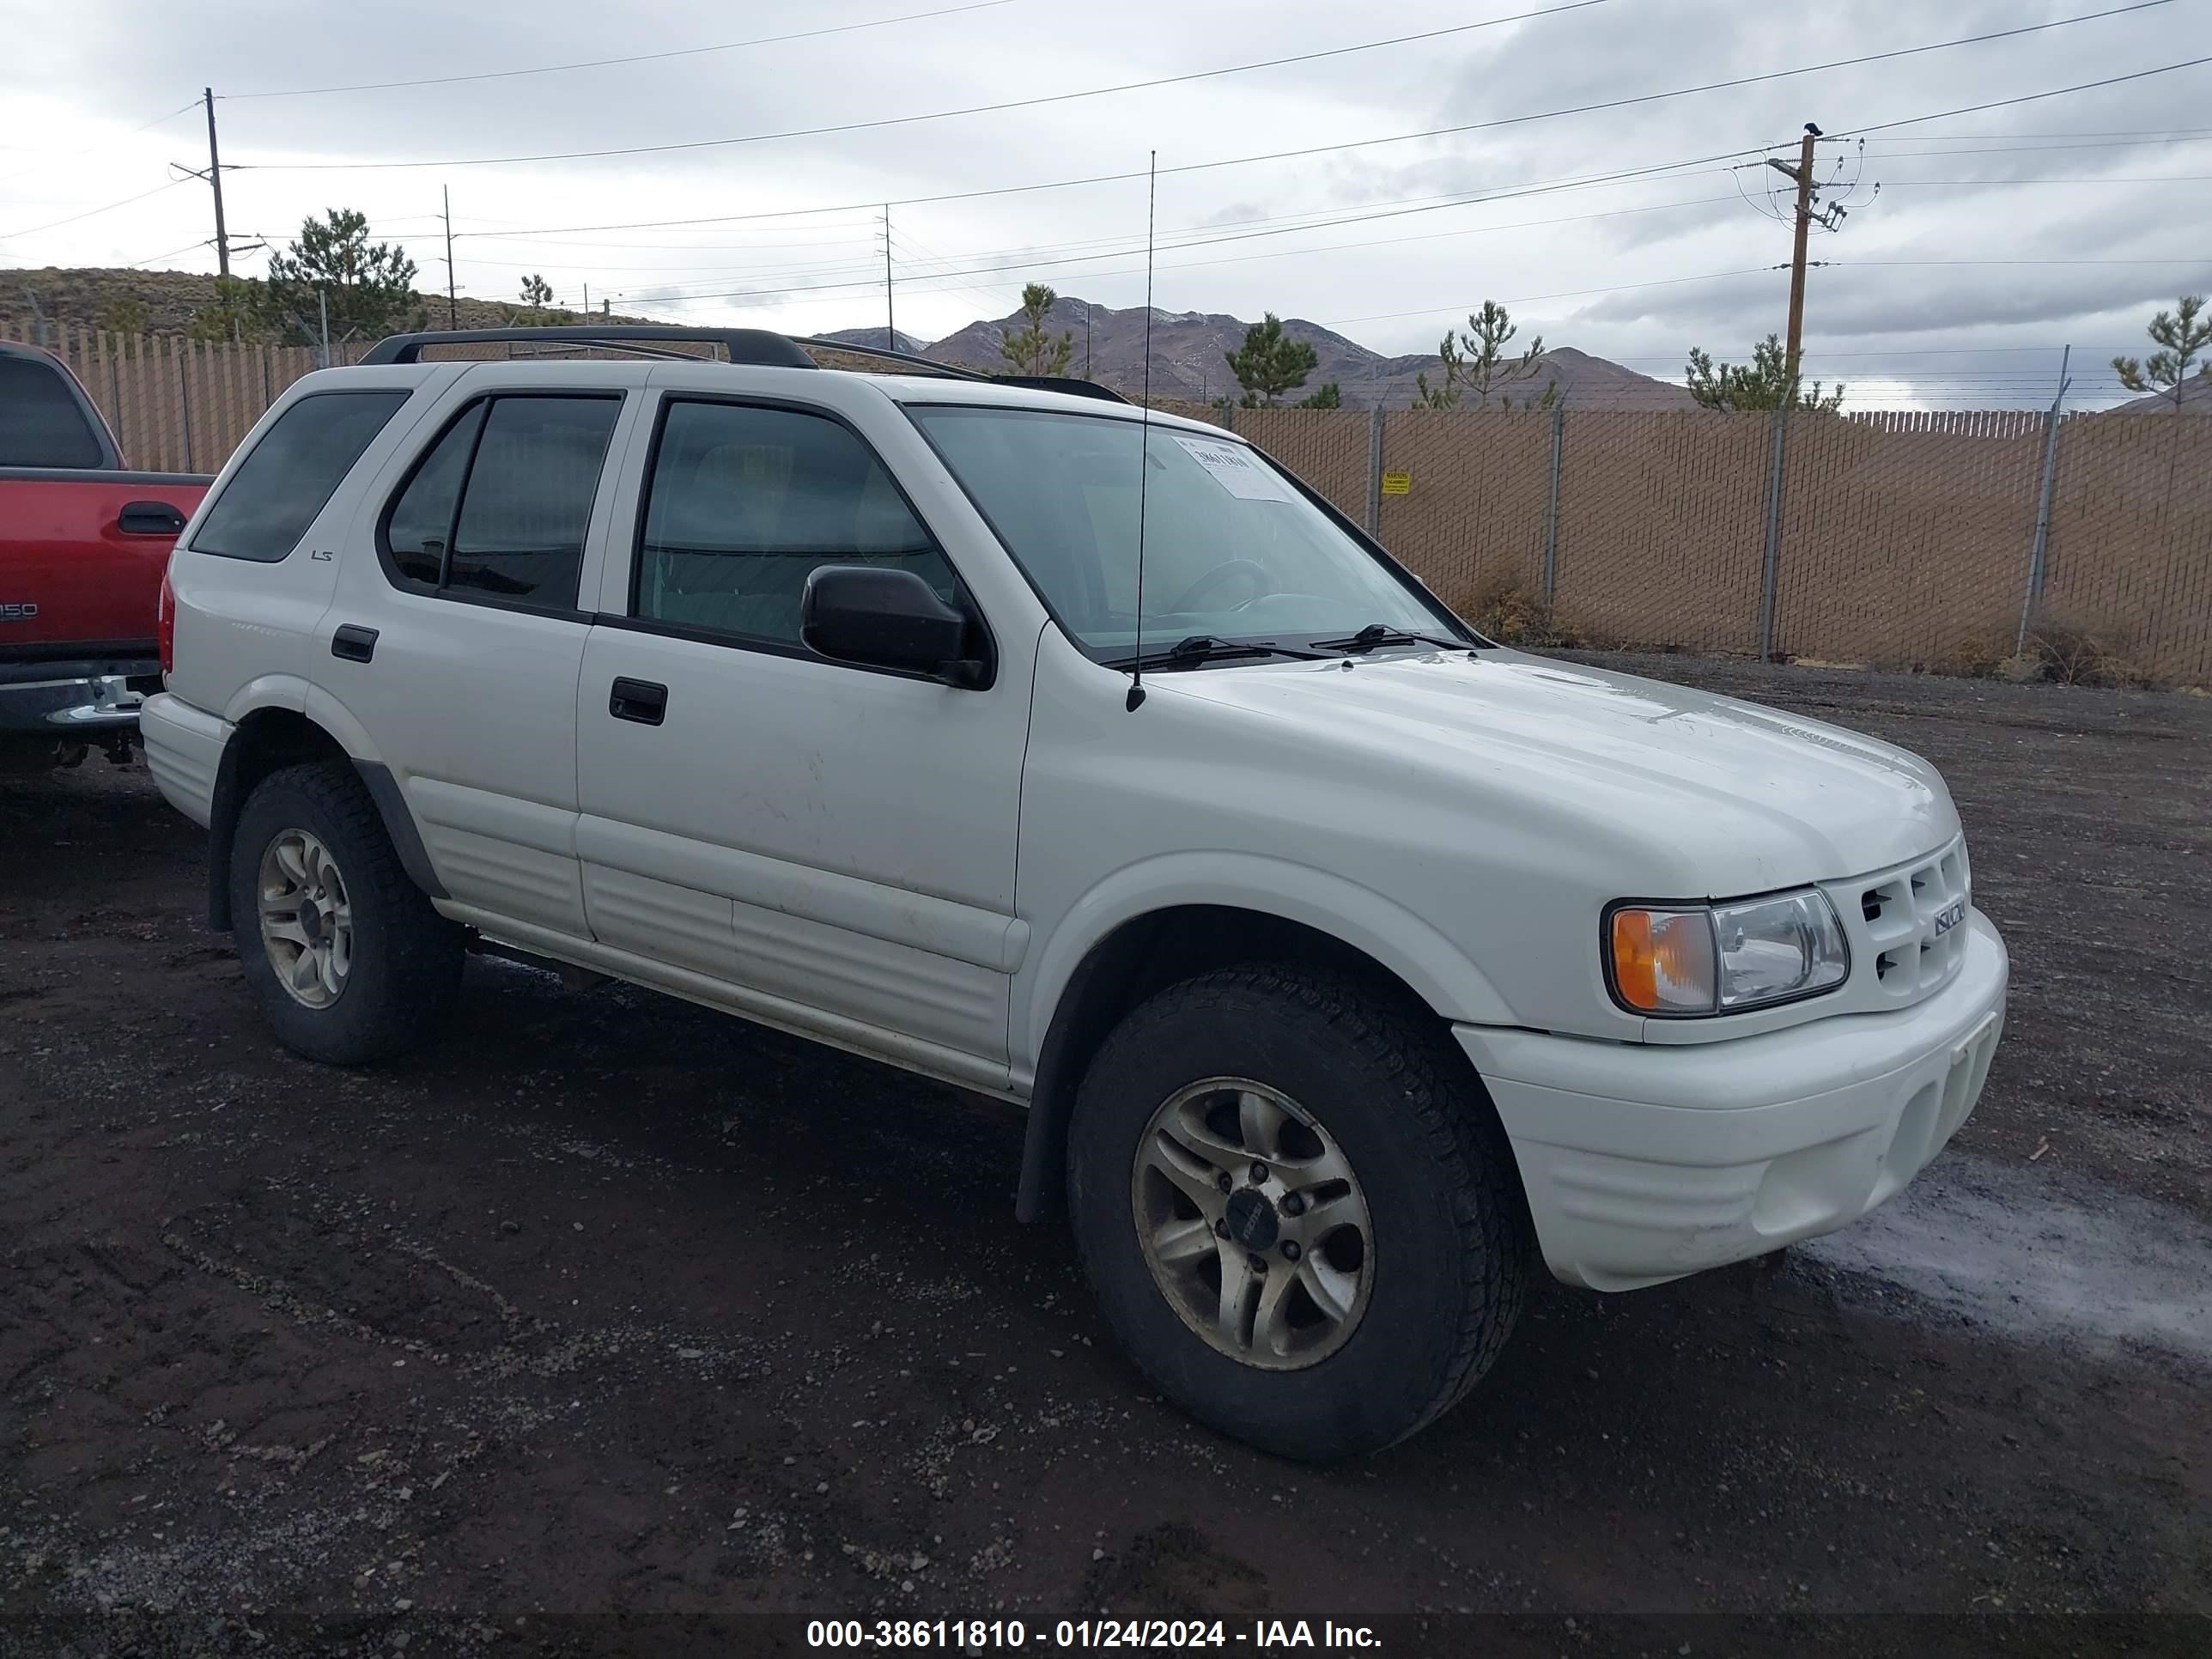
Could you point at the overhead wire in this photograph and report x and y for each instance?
(878, 123)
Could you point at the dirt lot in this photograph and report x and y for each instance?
(609, 1323)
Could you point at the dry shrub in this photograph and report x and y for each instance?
(1512, 614)
(2067, 650)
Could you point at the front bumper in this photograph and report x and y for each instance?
(1643, 1163)
(65, 701)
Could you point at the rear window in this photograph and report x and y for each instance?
(41, 423)
(297, 466)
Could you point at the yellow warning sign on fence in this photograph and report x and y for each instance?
(1397, 484)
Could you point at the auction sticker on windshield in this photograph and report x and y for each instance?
(1232, 466)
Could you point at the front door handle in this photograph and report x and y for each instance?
(642, 701)
(353, 642)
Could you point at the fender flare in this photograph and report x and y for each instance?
(313, 704)
(1436, 971)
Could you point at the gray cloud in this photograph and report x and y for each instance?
(77, 80)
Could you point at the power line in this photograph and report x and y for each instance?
(55, 224)
(638, 57)
(978, 109)
(1032, 262)
(2004, 103)
(1200, 74)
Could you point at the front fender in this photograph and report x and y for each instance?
(1438, 971)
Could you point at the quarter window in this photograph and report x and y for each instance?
(499, 508)
(290, 477)
(746, 502)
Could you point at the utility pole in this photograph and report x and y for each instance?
(213, 173)
(214, 178)
(453, 304)
(891, 328)
(1802, 174)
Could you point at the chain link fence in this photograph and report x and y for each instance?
(1904, 539)
(1900, 539)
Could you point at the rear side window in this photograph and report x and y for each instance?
(499, 508)
(291, 474)
(41, 423)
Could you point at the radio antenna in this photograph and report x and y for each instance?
(1145, 433)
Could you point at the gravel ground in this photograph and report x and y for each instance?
(610, 1324)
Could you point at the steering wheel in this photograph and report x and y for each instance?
(1250, 571)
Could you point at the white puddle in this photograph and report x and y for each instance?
(2002, 1247)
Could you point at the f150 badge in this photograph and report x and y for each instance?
(17, 611)
(1950, 916)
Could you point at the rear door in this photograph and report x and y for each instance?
(456, 633)
(834, 845)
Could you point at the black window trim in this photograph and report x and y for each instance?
(632, 623)
(1367, 544)
(406, 396)
(573, 612)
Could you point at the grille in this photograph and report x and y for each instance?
(1908, 927)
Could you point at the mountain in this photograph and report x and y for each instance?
(1188, 349)
(901, 341)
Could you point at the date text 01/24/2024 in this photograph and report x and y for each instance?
(981, 1634)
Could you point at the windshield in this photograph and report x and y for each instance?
(1232, 550)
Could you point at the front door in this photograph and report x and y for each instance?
(832, 846)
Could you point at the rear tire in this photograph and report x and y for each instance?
(1367, 1256)
(349, 963)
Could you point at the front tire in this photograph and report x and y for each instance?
(1299, 1214)
(345, 956)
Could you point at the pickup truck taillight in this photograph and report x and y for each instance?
(165, 624)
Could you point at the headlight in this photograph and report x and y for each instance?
(1691, 959)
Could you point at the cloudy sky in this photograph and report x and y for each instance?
(1633, 232)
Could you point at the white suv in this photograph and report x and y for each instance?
(1344, 963)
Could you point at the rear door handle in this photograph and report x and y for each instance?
(642, 701)
(354, 643)
(149, 519)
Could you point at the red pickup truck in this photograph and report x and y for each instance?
(83, 544)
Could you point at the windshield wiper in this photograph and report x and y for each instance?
(1377, 633)
(1206, 647)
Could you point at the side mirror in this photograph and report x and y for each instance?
(887, 619)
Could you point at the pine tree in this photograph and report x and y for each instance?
(1770, 381)
(1032, 349)
(1269, 363)
(2182, 336)
(369, 287)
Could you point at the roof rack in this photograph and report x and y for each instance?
(911, 359)
(1066, 383)
(1069, 383)
(744, 345)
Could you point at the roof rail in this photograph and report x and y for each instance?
(1072, 386)
(744, 345)
(912, 359)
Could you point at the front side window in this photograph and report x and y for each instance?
(290, 477)
(499, 508)
(1232, 549)
(746, 502)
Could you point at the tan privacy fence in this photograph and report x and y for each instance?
(177, 405)
(1894, 538)
(1890, 539)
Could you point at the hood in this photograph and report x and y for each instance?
(1725, 797)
